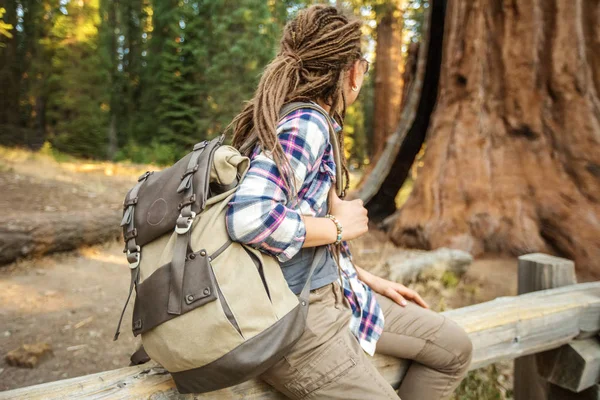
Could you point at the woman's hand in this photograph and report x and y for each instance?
(352, 215)
(395, 291)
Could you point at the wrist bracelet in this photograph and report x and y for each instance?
(338, 226)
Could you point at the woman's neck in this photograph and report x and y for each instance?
(326, 107)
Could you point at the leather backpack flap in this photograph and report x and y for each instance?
(158, 202)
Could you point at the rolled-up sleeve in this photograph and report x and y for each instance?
(261, 212)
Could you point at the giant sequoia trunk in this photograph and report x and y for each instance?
(512, 162)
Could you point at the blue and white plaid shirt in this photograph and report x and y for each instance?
(262, 214)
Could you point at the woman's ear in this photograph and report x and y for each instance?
(353, 75)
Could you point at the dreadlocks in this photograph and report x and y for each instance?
(318, 46)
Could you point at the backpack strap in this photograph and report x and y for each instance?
(133, 250)
(305, 293)
(296, 105)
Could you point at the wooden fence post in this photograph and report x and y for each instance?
(557, 392)
(538, 272)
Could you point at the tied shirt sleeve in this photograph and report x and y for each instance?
(261, 212)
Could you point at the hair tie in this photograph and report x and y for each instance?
(295, 57)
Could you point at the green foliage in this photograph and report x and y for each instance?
(141, 79)
(155, 153)
(48, 150)
(482, 384)
(450, 280)
(413, 18)
(77, 114)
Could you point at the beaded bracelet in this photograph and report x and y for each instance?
(338, 226)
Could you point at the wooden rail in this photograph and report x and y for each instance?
(501, 329)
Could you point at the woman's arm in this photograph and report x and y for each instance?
(258, 213)
(319, 231)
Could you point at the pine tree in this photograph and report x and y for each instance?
(79, 103)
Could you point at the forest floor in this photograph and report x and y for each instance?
(72, 300)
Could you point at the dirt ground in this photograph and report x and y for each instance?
(72, 301)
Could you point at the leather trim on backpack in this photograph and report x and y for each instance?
(199, 288)
(248, 360)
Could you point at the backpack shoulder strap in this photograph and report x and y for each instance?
(296, 105)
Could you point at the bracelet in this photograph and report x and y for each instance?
(338, 226)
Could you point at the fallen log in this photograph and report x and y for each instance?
(408, 266)
(40, 233)
(501, 329)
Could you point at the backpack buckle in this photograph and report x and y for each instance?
(200, 145)
(145, 175)
(181, 229)
(133, 257)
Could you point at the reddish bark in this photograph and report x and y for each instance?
(388, 78)
(513, 150)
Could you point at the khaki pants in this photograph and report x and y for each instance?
(328, 362)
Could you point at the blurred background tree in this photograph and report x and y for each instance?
(143, 80)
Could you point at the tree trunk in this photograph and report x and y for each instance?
(41, 233)
(512, 162)
(388, 77)
(379, 188)
(111, 150)
(410, 72)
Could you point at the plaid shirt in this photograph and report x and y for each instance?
(262, 214)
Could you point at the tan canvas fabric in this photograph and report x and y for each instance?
(236, 275)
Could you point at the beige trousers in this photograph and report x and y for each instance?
(328, 362)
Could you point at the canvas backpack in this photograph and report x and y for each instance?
(212, 312)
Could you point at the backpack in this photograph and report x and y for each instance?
(212, 312)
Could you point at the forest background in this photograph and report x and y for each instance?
(95, 90)
(143, 80)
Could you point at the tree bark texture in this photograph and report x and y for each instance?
(512, 162)
(41, 233)
(388, 77)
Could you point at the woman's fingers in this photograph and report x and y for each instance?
(412, 295)
(419, 300)
(394, 295)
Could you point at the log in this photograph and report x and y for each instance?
(538, 272)
(40, 233)
(407, 266)
(574, 366)
(502, 329)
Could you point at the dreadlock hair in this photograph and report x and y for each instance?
(318, 47)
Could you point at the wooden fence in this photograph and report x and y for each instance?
(551, 329)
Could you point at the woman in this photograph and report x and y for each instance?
(281, 208)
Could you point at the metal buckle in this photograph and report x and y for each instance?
(200, 145)
(136, 254)
(185, 229)
(145, 175)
